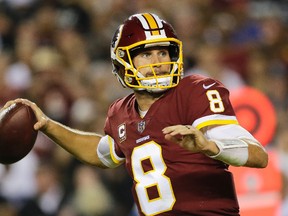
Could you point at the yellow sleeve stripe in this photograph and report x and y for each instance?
(114, 157)
(216, 122)
(214, 119)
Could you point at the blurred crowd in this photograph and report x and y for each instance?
(57, 54)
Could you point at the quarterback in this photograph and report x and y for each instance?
(176, 136)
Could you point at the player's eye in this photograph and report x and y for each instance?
(146, 54)
(163, 53)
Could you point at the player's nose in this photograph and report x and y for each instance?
(156, 63)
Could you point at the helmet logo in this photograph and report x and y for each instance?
(121, 53)
(128, 79)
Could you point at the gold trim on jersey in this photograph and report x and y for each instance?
(112, 152)
(214, 119)
(216, 122)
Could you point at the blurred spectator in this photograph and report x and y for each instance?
(74, 16)
(49, 196)
(118, 183)
(17, 181)
(6, 208)
(6, 31)
(90, 197)
(209, 62)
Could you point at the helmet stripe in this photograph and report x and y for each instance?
(152, 23)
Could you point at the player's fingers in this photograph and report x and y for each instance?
(41, 123)
(173, 138)
(18, 100)
(170, 129)
(31, 104)
(179, 130)
(24, 101)
(8, 103)
(38, 125)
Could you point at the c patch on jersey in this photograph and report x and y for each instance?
(122, 132)
(255, 113)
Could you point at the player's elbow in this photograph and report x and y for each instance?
(264, 162)
(258, 158)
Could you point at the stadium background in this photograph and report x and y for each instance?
(56, 53)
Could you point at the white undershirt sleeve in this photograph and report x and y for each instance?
(106, 152)
(232, 141)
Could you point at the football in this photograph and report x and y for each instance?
(17, 135)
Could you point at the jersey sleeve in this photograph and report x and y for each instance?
(111, 146)
(209, 103)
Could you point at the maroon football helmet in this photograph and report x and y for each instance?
(138, 32)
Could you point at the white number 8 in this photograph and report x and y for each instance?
(152, 178)
(216, 104)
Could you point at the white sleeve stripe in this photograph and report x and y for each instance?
(252, 142)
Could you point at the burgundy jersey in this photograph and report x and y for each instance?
(168, 179)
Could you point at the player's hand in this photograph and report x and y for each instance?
(42, 119)
(190, 138)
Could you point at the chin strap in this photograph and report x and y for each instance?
(154, 82)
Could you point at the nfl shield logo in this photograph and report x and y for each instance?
(141, 126)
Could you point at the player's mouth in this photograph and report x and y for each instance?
(157, 73)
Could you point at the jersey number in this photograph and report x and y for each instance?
(152, 178)
(216, 104)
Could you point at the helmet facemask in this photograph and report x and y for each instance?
(157, 82)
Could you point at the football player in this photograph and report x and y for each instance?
(177, 136)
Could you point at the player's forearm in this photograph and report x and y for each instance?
(237, 146)
(240, 152)
(80, 144)
(257, 157)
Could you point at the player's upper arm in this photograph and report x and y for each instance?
(107, 154)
